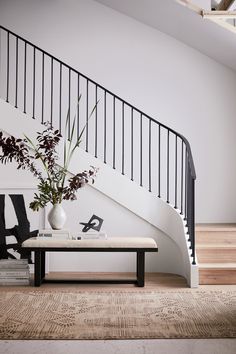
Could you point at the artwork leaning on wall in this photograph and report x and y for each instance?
(17, 222)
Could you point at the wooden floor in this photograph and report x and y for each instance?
(153, 281)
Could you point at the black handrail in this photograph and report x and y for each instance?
(183, 198)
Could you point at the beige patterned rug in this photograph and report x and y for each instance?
(36, 314)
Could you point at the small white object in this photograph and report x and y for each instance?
(93, 235)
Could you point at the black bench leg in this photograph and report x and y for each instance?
(37, 268)
(140, 268)
(42, 265)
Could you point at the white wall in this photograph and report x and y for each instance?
(166, 79)
(205, 4)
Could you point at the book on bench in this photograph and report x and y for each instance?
(66, 235)
(63, 234)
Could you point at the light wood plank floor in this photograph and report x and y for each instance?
(153, 281)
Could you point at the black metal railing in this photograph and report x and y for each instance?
(141, 148)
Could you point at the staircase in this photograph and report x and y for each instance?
(140, 154)
(216, 253)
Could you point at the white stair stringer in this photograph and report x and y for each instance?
(117, 187)
(144, 204)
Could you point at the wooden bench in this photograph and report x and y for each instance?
(139, 245)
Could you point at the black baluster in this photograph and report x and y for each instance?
(193, 219)
(51, 90)
(16, 94)
(1, 79)
(168, 166)
(141, 150)
(114, 132)
(189, 206)
(105, 126)
(176, 170)
(33, 84)
(25, 62)
(186, 182)
(78, 105)
(87, 115)
(150, 156)
(159, 161)
(182, 175)
(42, 88)
(123, 139)
(69, 105)
(132, 144)
(60, 95)
(96, 122)
(8, 66)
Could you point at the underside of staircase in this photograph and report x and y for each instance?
(216, 253)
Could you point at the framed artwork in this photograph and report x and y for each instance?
(17, 221)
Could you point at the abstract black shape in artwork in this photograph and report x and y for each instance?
(94, 223)
(21, 231)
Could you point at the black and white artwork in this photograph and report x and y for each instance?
(17, 224)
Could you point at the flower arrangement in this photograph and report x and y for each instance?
(53, 186)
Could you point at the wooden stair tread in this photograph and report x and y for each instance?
(216, 245)
(215, 227)
(226, 266)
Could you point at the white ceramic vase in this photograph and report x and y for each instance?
(57, 217)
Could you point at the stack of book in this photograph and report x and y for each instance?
(57, 234)
(14, 272)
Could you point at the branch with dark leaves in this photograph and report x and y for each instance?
(15, 149)
(79, 181)
(52, 188)
(48, 140)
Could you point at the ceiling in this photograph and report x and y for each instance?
(182, 23)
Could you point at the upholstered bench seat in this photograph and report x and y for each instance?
(114, 242)
(140, 245)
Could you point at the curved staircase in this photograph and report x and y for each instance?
(138, 152)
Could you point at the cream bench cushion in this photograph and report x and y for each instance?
(113, 242)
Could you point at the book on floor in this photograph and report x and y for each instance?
(14, 272)
(6, 282)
